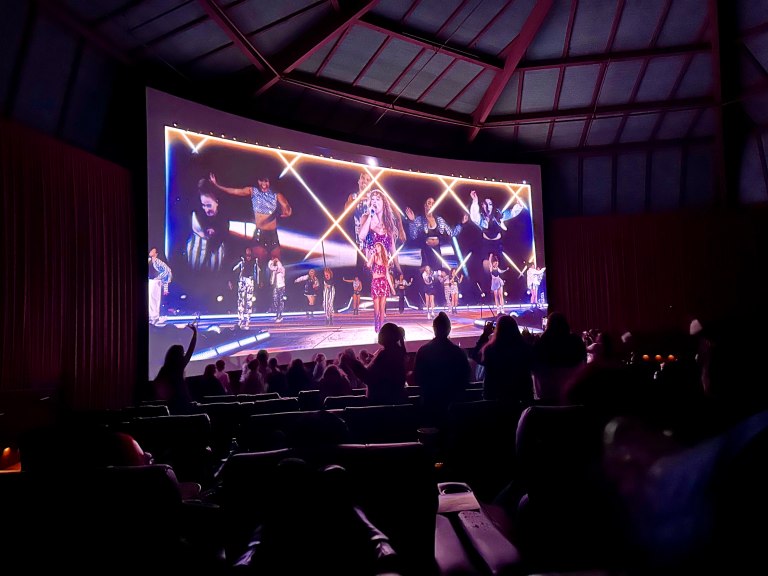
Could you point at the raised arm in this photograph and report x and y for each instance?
(365, 226)
(234, 191)
(301, 278)
(474, 209)
(192, 344)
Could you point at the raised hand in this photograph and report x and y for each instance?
(409, 214)
(473, 195)
(212, 178)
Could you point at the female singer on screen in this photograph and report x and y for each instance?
(381, 224)
(357, 287)
(497, 283)
(329, 295)
(381, 282)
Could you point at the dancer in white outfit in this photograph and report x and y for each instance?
(158, 284)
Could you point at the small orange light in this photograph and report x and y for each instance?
(646, 357)
(671, 358)
(658, 358)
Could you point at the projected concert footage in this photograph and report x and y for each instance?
(271, 238)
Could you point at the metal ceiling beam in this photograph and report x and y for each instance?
(561, 69)
(634, 108)
(512, 55)
(385, 26)
(297, 53)
(217, 14)
(362, 96)
(65, 17)
(609, 57)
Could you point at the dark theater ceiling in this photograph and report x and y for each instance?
(472, 77)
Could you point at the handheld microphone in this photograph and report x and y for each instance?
(149, 260)
(373, 212)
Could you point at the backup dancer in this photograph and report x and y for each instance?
(497, 284)
(329, 295)
(357, 287)
(311, 288)
(428, 277)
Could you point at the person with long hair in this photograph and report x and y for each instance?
(428, 277)
(497, 283)
(455, 277)
(378, 262)
(329, 295)
(508, 361)
(385, 374)
(170, 384)
(311, 288)
(431, 231)
(268, 206)
(381, 224)
(357, 287)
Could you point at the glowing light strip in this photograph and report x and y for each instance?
(196, 149)
(346, 211)
(317, 200)
(167, 240)
(514, 198)
(356, 165)
(448, 189)
(394, 254)
(290, 166)
(458, 253)
(508, 259)
(440, 256)
(463, 261)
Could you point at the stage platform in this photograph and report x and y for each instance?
(299, 336)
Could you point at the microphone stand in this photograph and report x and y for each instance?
(484, 303)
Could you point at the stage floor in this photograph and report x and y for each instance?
(298, 336)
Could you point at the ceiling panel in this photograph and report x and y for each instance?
(698, 78)
(567, 133)
(454, 81)
(548, 42)
(147, 25)
(578, 86)
(660, 78)
(252, 15)
(470, 98)
(592, 27)
(684, 23)
(190, 43)
(539, 90)
(533, 135)
(505, 27)
(388, 65)
(619, 81)
(227, 60)
(507, 102)
(638, 23)
(602, 131)
(352, 54)
(430, 15)
(288, 33)
(676, 124)
(639, 128)
(425, 74)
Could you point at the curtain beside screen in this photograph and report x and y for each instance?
(69, 280)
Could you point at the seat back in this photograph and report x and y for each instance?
(565, 517)
(273, 406)
(184, 442)
(394, 484)
(478, 444)
(335, 402)
(310, 400)
(91, 518)
(379, 424)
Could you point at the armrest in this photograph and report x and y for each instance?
(498, 554)
(464, 531)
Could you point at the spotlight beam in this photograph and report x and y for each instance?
(317, 200)
(509, 260)
(347, 210)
